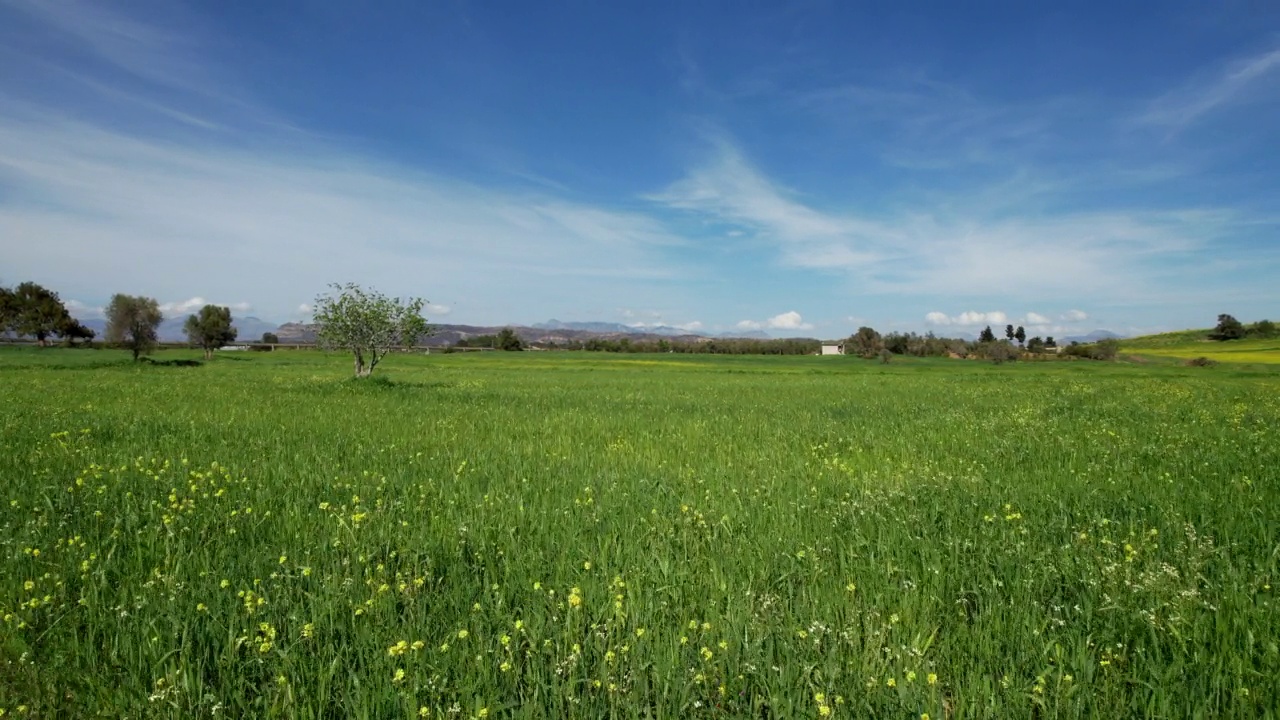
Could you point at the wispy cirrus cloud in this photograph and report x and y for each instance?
(967, 251)
(1239, 81)
(103, 200)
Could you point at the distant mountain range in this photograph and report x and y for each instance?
(250, 329)
(1092, 337)
(553, 331)
(621, 329)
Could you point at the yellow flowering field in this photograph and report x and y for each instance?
(558, 535)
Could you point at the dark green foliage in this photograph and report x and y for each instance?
(866, 343)
(1050, 343)
(270, 338)
(132, 323)
(1201, 362)
(1102, 350)
(8, 310)
(1035, 345)
(72, 330)
(986, 335)
(508, 340)
(1228, 328)
(927, 345)
(1009, 334)
(1262, 329)
(997, 351)
(39, 312)
(210, 329)
(1020, 334)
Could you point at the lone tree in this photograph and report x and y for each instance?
(1020, 334)
(509, 340)
(270, 338)
(40, 312)
(210, 329)
(865, 343)
(986, 335)
(367, 323)
(1228, 328)
(132, 322)
(1008, 333)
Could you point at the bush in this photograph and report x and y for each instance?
(885, 356)
(1228, 328)
(1101, 350)
(1202, 362)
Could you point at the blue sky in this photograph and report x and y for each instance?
(798, 167)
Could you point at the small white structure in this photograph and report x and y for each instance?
(833, 349)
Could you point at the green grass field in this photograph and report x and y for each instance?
(1189, 344)
(560, 535)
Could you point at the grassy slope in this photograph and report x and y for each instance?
(1048, 539)
(1187, 344)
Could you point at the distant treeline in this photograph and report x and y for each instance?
(709, 346)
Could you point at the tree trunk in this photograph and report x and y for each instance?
(208, 353)
(360, 371)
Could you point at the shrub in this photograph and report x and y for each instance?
(1202, 362)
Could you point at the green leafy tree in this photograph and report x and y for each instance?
(8, 311)
(866, 343)
(40, 312)
(133, 322)
(1262, 329)
(270, 338)
(367, 323)
(210, 329)
(986, 335)
(1049, 342)
(1035, 345)
(1228, 328)
(1020, 334)
(1009, 333)
(73, 330)
(509, 340)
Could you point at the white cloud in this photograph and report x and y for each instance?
(790, 320)
(182, 307)
(1034, 318)
(1211, 91)
(186, 307)
(953, 248)
(83, 311)
(967, 318)
(431, 308)
(1074, 316)
(316, 216)
(305, 308)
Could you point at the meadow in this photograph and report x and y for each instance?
(557, 535)
(1190, 344)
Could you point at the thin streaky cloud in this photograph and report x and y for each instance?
(1199, 97)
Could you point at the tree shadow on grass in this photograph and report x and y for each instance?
(382, 383)
(171, 363)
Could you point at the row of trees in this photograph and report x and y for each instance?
(1229, 328)
(132, 322)
(30, 310)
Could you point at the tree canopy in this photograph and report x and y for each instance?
(508, 340)
(210, 329)
(1228, 328)
(133, 322)
(865, 343)
(38, 312)
(367, 323)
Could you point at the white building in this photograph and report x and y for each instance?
(833, 349)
